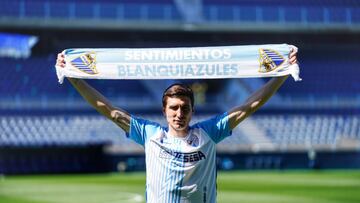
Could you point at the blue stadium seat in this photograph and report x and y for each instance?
(294, 14)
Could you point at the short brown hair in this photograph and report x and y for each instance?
(177, 90)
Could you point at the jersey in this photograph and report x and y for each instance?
(180, 169)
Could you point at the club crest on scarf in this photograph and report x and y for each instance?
(269, 60)
(86, 63)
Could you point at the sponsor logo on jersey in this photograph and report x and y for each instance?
(188, 157)
(269, 60)
(166, 153)
(86, 63)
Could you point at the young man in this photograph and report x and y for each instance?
(180, 159)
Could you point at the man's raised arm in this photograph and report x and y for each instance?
(97, 100)
(257, 99)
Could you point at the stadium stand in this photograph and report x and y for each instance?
(310, 130)
(321, 70)
(321, 113)
(304, 14)
(279, 132)
(27, 84)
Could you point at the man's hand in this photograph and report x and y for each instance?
(292, 56)
(60, 61)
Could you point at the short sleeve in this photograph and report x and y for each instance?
(141, 130)
(217, 127)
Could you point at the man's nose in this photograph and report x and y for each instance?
(180, 112)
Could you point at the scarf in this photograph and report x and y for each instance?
(248, 61)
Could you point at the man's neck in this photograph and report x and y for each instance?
(178, 133)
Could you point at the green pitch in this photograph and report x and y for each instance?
(249, 187)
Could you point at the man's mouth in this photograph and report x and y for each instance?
(179, 122)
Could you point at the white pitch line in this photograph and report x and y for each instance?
(129, 197)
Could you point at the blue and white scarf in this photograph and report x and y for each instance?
(180, 63)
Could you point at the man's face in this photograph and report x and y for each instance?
(178, 112)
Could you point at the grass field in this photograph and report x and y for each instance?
(249, 187)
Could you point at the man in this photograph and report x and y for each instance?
(180, 159)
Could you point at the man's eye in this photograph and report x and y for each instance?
(186, 109)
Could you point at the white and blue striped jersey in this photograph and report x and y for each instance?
(180, 169)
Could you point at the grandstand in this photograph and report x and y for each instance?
(165, 14)
(321, 113)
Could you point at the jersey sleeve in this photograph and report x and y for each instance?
(217, 127)
(141, 130)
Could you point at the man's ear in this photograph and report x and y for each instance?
(163, 111)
